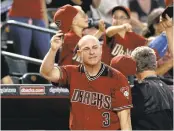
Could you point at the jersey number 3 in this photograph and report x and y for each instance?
(106, 116)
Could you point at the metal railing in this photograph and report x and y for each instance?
(21, 57)
(24, 25)
(20, 24)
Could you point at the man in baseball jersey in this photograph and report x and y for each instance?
(100, 95)
(72, 20)
(120, 37)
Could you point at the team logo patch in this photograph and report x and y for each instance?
(125, 91)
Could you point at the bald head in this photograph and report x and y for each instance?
(90, 50)
(87, 39)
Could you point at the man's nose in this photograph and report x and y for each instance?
(91, 52)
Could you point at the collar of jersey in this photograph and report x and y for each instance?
(91, 78)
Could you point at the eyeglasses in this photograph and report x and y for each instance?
(121, 18)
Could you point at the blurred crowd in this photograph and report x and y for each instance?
(143, 18)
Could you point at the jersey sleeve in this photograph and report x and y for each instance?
(65, 75)
(121, 95)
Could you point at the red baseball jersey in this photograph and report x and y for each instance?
(67, 56)
(95, 100)
(125, 46)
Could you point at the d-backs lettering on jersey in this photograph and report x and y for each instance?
(119, 50)
(125, 46)
(91, 98)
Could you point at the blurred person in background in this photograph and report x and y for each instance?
(72, 20)
(85, 4)
(104, 10)
(167, 25)
(5, 6)
(142, 8)
(120, 37)
(159, 32)
(153, 19)
(32, 12)
(151, 97)
(122, 40)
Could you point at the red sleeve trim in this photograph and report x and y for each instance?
(122, 107)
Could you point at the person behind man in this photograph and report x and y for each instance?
(123, 41)
(32, 12)
(120, 38)
(100, 95)
(160, 34)
(104, 10)
(151, 97)
(72, 20)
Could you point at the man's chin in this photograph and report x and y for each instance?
(91, 63)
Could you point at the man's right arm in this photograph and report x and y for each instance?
(113, 30)
(47, 69)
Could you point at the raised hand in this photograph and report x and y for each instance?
(166, 23)
(127, 27)
(56, 41)
(101, 25)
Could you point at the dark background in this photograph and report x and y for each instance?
(35, 113)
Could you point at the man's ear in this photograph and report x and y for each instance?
(101, 48)
(79, 55)
(79, 52)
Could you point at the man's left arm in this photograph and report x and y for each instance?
(122, 102)
(125, 121)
